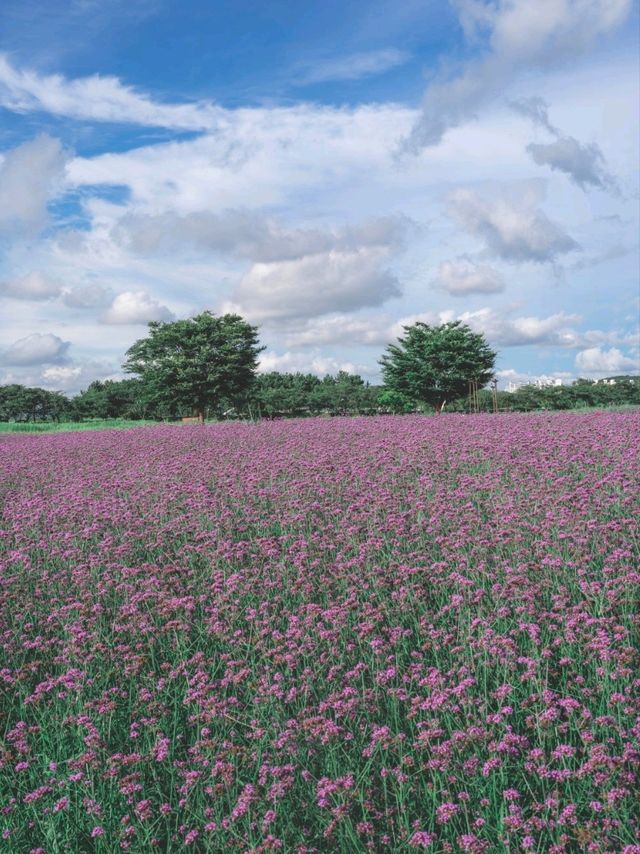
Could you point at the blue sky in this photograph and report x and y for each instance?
(329, 170)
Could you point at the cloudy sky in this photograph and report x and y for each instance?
(329, 170)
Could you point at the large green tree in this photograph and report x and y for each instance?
(435, 364)
(197, 365)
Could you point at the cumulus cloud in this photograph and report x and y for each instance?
(70, 377)
(249, 235)
(36, 349)
(73, 377)
(96, 98)
(87, 296)
(33, 286)
(316, 284)
(306, 363)
(30, 176)
(514, 229)
(514, 36)
(584, 164)
(596, 360)
(502, 328)
(464, 276)
(353, 67)
(522, 331)
(339, 329)
(135, 307)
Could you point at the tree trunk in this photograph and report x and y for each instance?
(201, 416)
(440, 407)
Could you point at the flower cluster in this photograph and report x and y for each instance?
(367, 634)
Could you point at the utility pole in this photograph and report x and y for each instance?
(494, 393)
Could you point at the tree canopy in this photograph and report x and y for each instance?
(22, 403)
(435, 364)
(202, 364)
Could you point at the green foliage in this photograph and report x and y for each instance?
(20, 403)
(434, 364)
(298, 395)
(72, 426)
(277, 394)
(202, 365)
(113, 399)
(396, 402)
(113, 403)
(582, 394)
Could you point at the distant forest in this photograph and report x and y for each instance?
(296, 395)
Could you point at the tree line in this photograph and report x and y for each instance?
(297, 395)
(206, 367)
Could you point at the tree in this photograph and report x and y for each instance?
(112, 399)
(276, 394)
(396, 402)
(434, 364)
(198, 364)
(21, 403)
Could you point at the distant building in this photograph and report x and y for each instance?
(539, 382)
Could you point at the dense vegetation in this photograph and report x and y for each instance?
(295, 395)
(435, 364)
(207, 366)
(202, 363)
(386, 634)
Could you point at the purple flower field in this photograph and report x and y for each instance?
(342, 635)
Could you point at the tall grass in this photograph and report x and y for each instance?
(67, 426)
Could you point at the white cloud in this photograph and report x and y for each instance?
(463, 276)
(339, 329)
(87, 296)
(316, 284)
(521, 331)
(33, 286)
(249, 235)
(514, 36)
(70, 377)
(74, 377)
(262, 157)
(352, 67)
(96, 98)
(596, 360)
(584, 164)
(299, 174)
(30, 176)
(135, 307)
(514, 229)
(502, 328)
(314, 363)
(36, 349)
